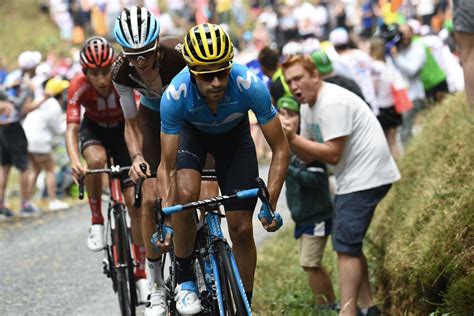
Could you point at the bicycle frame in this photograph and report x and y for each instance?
(212, 222)
(118, 262)
(215, 237)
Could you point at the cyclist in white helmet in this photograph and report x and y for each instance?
(147, 64)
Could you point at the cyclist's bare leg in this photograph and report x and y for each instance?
(208, 189)
(96, 158)
(135, 217)
(148, 222)
(184, 226)
(243, 245)
(137, 237)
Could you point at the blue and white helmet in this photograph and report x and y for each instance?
(136, 27)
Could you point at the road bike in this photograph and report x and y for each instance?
(220, 287)
(118, 262)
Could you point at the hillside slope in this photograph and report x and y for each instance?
(422, 237)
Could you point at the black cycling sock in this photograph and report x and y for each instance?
(249, 295)
(184, 269)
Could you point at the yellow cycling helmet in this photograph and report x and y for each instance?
(207, 44)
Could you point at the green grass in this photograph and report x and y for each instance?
(23, 27)
(281, 286)
(422, 235)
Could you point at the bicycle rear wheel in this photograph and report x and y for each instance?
(233, 301)
(124, 269)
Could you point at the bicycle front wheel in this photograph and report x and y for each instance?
(124, 268)
(233, 301)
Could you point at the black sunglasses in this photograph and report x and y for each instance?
(208, 76)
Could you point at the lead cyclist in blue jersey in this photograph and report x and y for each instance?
(205, 110)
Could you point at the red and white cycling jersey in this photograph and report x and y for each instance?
(106, 112)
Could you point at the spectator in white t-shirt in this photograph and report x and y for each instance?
(355, 145)
(41, 126)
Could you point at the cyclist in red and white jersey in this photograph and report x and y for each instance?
(101, 130)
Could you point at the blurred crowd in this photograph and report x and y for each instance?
(386, 52)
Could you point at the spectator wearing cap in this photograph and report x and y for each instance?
(310, 204)
(339, 129)
(359, 63)
(41, 127)
(13, 142)
(268, 59)
(325, 68)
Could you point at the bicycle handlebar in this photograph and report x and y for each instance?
(206, 175)
(114, 171)
(261, 192)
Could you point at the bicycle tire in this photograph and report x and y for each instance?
(127, 294)
(111, 273)
(233, 301)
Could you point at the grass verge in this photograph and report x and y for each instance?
(422, 236)
(281, 286)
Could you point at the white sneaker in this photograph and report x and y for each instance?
(95, 241)
(143, 290)
(56, 205)
(187, 300)
(156, 305)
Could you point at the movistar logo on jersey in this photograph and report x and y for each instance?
(176, 93)
(245, 83)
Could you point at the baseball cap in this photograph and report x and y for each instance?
(56, 86)
(29, 59)
(288, 103)
(339, 36)
(322, 62)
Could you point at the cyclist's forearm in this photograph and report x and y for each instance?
(133, 137)
(72, 142)
(277, 175)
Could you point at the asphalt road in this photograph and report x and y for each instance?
(47, 268)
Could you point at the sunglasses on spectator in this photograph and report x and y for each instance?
(141, 55)
(209, 75)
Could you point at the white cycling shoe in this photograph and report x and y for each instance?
(187, 300)
(143, 290)
(156, 305)
(95, 241)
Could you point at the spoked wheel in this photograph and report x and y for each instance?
(127, 293)
(233, 301)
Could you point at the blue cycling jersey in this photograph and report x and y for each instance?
(245, 91)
